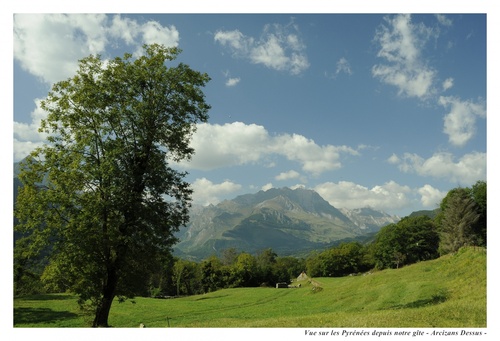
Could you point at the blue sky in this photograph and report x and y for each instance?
(386, 111)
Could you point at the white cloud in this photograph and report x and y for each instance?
(287, 175)
(26, 135)
(443, 20)
(343, 65)
(49, 45)
(447, 84)
(460, 122)
(235, 39)
(236, 143)
(401, 43)
(315, 159)
(393, 159)
(278, 48)
(23, 148)
(232, 82)
(154, 32)
(124, 28)
(231, 144)
(467, 170)
(206, 192)
(389, 196)
(267, 186)
(430, 196)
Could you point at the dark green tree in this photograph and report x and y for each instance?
(102, 191)
(460, 215)
(479, 194)
(212, 274)
(345, 259)
(266, 261)
(412, 239)
(187, 277)
(244, 271)
(288, 268)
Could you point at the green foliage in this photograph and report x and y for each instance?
(161, 282)
(345, 259)
(245, 271)
(462, 220)
(449, 292)
(212, 277)
(411, 240)
(266, 262)
(479, 195)
(186, 276)
(458, 221)
(288, 268)
(100, 196)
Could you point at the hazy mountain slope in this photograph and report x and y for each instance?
(288, 221)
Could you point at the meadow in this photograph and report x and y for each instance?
(449, 292)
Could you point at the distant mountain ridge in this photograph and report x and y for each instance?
(288, 221)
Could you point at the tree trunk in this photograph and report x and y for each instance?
(108, 294)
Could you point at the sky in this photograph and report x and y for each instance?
(370, 110)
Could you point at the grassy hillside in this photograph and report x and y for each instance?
(446, 292)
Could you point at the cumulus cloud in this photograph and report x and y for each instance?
(267, 186)
(345, 194)
(279, 48)
(49, 45)
(287, 175)
(447, 84)
(23, 148)
(236, 143)
(232, 82)
(206, 192)
(401, 43)
(430, 196)
(393, 159)
(26, 135)
(460, 122)
(315, 159)
(467, 170)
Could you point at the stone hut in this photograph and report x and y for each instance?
(302, 276)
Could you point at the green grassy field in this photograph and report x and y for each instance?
(446, 292)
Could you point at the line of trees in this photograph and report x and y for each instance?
(184, 277)
(460, 221)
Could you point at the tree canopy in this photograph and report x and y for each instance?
(101, 194)
(410, 240)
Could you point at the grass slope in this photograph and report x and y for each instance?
(446, 292)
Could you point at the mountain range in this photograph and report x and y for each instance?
(289, 221)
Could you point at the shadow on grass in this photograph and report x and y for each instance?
(210, 297)
(433, 300)
(40, 315)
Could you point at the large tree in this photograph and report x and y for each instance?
(460, 214)
(102, 192)
(412, 239)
